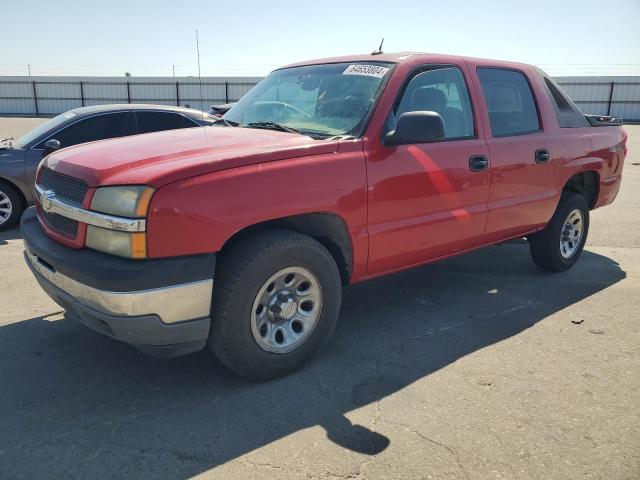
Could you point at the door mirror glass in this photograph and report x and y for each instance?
(417, 127)
(50, 146)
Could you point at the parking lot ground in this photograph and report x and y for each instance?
(478, 367)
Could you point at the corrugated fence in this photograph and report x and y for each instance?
(616, 96)
(46, 96)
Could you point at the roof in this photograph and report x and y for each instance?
(115, 107)
(398, 57)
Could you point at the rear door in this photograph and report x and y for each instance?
(150, 121)
(522, 195)
(426, 200)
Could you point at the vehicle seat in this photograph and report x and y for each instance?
(434, 100)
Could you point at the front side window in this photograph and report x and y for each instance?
(326, 100)
(43, 128)
(509, 99)
(99, 127)
(442, 90)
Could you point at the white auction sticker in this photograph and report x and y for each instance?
(368, 70)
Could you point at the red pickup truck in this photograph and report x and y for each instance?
(240, 235)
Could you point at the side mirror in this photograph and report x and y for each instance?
(50, 146)
(417, 127)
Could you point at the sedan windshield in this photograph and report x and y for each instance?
(326, 100)
(43, 128)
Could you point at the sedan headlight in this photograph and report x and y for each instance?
(128, 201)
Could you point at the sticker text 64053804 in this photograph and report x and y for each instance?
(367, 70)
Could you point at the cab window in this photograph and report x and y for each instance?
(510, 103)
(567, 112)
(440, 90)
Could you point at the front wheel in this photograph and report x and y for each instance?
(10, 206)
(559, 245)
(276, 302)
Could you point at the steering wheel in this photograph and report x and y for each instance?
(285, 105)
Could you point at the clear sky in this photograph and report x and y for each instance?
(253, 37)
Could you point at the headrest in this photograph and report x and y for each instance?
(430, 99)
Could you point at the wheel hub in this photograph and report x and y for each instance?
(286, 310)
(571, 234)
(5, 207)
(283, 306)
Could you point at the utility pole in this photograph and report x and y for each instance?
(173, 67)
(29, 68)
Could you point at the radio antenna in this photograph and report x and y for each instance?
(379, 51)
(199, 73)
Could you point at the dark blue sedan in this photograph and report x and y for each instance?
(19, 158)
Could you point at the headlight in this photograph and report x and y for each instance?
(130, 201)
(115, 242)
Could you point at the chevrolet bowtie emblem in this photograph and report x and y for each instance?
(45, 200)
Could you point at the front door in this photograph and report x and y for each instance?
(428, 200)
(96, 127)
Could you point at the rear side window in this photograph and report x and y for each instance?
(441, 90)
(568, 114)
(157, 121)
(509, 99)
(99, 127)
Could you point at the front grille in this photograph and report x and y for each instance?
(64, 225)
(67, 188)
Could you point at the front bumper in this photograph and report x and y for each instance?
(160, 306)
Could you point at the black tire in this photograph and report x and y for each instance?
(10, 196)
(545, 245)
(241, 273)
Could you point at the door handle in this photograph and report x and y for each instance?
(542, 155)
(478, 163)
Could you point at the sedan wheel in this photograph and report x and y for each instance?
(6, 207)
(10, 206)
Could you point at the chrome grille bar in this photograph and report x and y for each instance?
(50, 203)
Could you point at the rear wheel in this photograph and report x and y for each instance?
(10, 206)
(276, 302)
(559, 245)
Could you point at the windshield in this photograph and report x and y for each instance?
(331, 99)
(43, 128)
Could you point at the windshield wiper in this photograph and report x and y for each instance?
(271, 126)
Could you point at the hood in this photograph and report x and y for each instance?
(10, 152)
(163, 157)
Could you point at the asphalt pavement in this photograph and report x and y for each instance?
(477, 367)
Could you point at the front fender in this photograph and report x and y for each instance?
(198, 215)
(12, 170)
